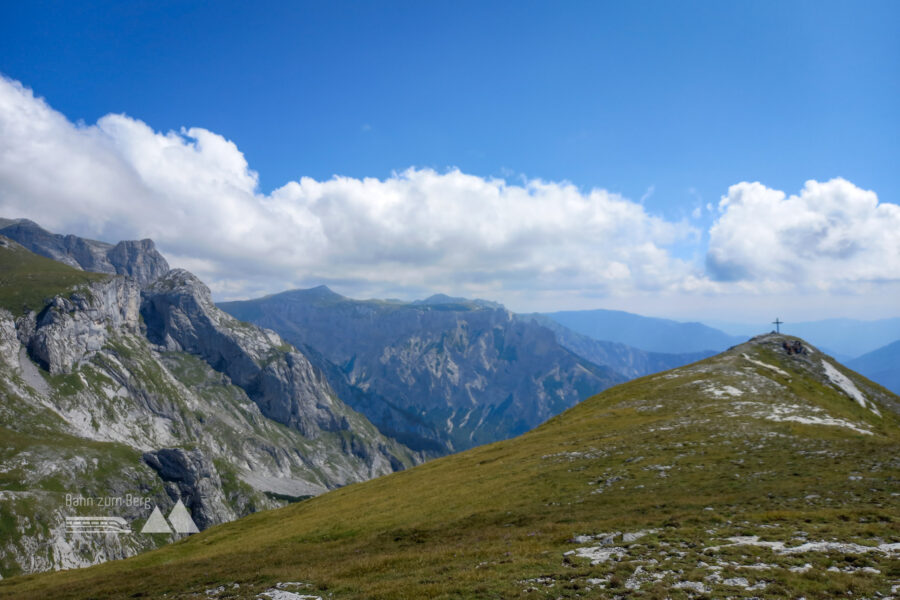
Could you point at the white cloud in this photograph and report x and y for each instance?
(417, 230)
(832, 236)
(532, 244)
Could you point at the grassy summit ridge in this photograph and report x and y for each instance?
(28, 280)
(652, 489)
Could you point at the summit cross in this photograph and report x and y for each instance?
(777, 323)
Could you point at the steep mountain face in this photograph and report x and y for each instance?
(881, 366)
(767, 471)
(138, 260)
(110, 394)
(181, 316)
(646, 333)
(624, 359)
(440, 375)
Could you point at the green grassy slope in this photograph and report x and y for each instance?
(130, 398)
(32, 502)
(752, 442)
(28, 280)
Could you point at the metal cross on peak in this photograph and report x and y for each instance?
(777, 323)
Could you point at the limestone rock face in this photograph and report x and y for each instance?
(9, 342)
(108, 391)
(442, 374)
(191, 477)
(137, 259)
(71, 328)
(180, 315)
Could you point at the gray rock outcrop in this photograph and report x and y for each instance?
(439, 375)
(136, 259)
(71, 328)
(192, 478)
(180, 315)
(9, 341)
(92, 408)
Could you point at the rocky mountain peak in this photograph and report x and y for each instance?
(782, 379)
(181, 281)
(321, 294)
(109, 390)
(322, 291)
(180, 315)
(439, 376)
(139, 259)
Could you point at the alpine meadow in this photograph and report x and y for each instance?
(449, 300)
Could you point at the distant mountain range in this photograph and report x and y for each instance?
(843, 338)
(627, 360)
(440, 374)
(881, 365)
(344, 338)
(646, 333)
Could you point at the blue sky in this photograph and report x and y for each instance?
(665, 103)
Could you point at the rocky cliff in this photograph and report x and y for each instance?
(112, 394)
(137, 259)
(180, 316)
(69, 329)
(442, 374)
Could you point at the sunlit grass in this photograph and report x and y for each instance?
(481, 523)
(27, 280)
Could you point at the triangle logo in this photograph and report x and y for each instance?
(156, 523)
(181, 519)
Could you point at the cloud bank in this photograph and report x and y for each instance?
(418, 230)
(832, 235)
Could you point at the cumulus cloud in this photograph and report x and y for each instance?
(831, 236)
(532, 243)
(193, 192)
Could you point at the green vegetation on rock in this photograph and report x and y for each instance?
(27, 280)
(90, 407)
(749, 474)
